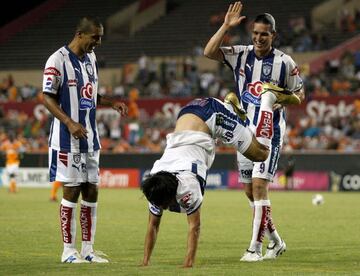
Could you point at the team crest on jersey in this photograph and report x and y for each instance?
(86, 101)
(90, 72)
(89, 69)
(76, 158)
(266, 69)
(252, 93)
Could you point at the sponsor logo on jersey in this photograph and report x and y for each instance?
(72, 82)
(86, 101)
(246, 173)
(52, 71)
(265, 126)
(252, 93)
(48, 83)
(185, 200)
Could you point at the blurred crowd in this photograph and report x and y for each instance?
(181, 77)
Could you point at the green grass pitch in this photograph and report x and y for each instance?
(321, 240)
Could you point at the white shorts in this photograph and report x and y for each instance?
(266, 169)
(12, 169)
(74, 168)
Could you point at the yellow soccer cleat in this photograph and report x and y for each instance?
(283, 96)
(232, 99)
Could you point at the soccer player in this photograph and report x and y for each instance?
(257, 67)
(70, 88)
(177, 180)
(12, 148)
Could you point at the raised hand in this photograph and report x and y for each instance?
(233, 16)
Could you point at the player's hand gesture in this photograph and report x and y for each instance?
(233, 16)
(77, 130)
(120, 107)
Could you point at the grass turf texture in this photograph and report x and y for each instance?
(321, 240)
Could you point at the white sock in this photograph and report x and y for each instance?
(88, 226)
(68, 225)
(259, 225)
(271, 232)
(264, 127)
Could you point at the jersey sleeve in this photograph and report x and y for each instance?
(231, 54)
(156, 211)
(52, 75)
(293, 79)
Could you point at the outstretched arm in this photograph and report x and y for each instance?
(116, 105)
(150, 238)
(232, 18)
(193, 238)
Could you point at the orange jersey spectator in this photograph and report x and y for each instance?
(12, 149)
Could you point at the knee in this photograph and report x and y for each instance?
(71, 193)
(89, 192)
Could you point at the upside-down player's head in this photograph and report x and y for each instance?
(160, 188)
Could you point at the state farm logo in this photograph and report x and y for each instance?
(323, 111)
(109, 179)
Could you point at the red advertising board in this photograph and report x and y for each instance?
(119, 178)
(321, 108)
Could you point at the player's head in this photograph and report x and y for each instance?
(160, 188)
(263, 34)
(89, 31)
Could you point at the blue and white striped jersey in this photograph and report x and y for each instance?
(250, 72)
(223, 123)
(74, 81)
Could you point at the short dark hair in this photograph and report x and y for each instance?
(268, 19)
(86, 24)
(160, 188)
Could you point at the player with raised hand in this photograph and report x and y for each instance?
(259, 68)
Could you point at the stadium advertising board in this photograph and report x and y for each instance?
(302, 181)
(29, 177)
(217, 179)
(119, 178)
(321, 108)
(350, 182)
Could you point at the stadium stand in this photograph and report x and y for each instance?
(185, 26)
